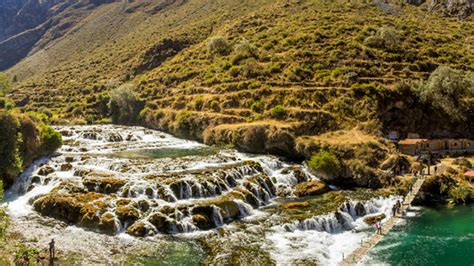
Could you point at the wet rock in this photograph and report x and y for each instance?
(144, 205)
(103, 183)
(230, 210)
(90, 135)
(66, 167)
(360, 209)
(163, 223)
(31, 187)
(372, 219)
(138, 229)
(206, 214)
(149, 192)
(109, 224)
(45, 170)
(36, 179)
(202, 222)
(127, 214)
(114, 137)
(90, 215)
(311, 188)
(65, 207)
(69, 159)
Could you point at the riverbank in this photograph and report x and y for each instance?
(441, 235)
(114, 188)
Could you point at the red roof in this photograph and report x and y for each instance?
(411, 141)
(469, 173)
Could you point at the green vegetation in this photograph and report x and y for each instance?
(278, 111)
(324, 162)
(124, 105)
(23, 139)
(3, 216)
(448, 90)
(5, 84)
(219, 45)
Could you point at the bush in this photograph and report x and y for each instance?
(5, 84)
(244, 50)
(10, 161)
(324, 162)
(51, 140)
(256, 106)
(447, 89)
(198, 103)
(278, 111)
(215, 105)
(219, 45)
(6, 103)
(462, 162)
(124, 105)
(385, 37)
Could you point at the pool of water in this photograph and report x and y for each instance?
(168, 152)
(437, 236)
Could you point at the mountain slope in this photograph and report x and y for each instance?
(289, 69)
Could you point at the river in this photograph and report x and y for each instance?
(160, 200)
(433, 236)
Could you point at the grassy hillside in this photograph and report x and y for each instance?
(263, 76)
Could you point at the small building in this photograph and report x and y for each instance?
(417, 146)
(469, 175)
(411, 146)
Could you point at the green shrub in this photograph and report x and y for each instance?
(218, 45)
(51, 140)
(10, 161)
(25, 251)
(234, 71)
(198, 103)
(244, 50)
(447, 89)
(5, 84)
(278, 111)
(6, 103)
(301, 73)
(256, 106)
(462, 162)
(124, 105)
(324, 162)
(215, 105)
(385, 37)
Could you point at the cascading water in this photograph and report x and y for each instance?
(107, 180)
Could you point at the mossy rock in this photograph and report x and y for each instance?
(45, 170)
(105, 184)
(66, 167)
(108, 223)
(138, 229)
(311, 188)
(163, 223)
(67, 207)
(127, 214)
(372, 219)
(202, 222)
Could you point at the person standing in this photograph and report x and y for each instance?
(51, 252)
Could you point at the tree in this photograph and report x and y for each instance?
(124, 105)
(5, 84)
(324, 162)
(448, 89)
(10, 161)
(219, 45)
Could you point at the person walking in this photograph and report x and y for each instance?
(398, 206)
(379, 227)
(51, 252)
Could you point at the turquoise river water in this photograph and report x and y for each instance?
(436, 236)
